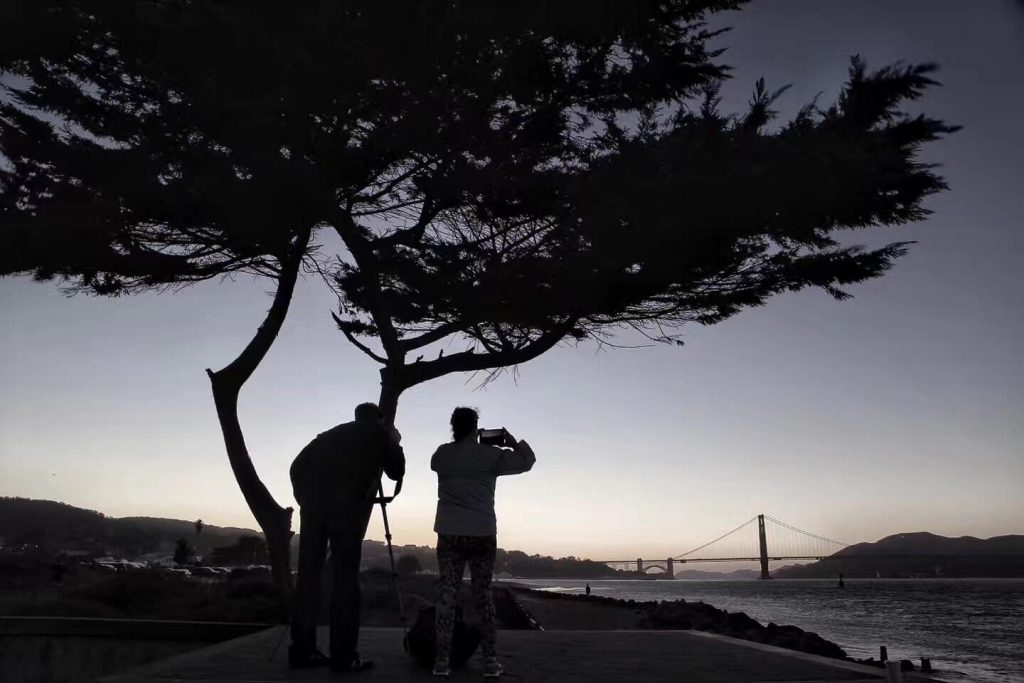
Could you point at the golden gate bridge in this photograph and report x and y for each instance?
(760, 539)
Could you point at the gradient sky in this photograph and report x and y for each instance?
(900, 410)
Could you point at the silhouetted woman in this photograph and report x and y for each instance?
(466, 527)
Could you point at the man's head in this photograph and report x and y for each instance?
(369, 412)
(464, 422)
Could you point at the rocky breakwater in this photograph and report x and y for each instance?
(700, 616)
(680, 614)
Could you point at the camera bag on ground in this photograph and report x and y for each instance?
(421, 641)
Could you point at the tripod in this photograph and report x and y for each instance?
(384, 500)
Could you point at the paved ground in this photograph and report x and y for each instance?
(593, 656)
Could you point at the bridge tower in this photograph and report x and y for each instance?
(670, 568)
(763, 543)
(639, 566)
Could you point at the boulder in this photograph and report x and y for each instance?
(740, 622)
(815, 644)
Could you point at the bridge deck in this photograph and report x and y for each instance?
(530, 656)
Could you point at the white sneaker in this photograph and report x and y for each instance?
(492, 667)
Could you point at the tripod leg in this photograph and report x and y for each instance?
(391, 557)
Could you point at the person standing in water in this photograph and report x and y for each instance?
(467, 529)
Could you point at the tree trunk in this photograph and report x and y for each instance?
(274, 520)
(391, 390)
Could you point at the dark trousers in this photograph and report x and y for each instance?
(343, 525)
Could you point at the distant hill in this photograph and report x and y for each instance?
(919, 554)
(181, 527)
(57, 526)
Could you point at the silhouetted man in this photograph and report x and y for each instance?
(335, 479)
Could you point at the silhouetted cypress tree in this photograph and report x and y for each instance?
(516, 174)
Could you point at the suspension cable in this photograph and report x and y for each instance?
(806, 533)
(690, 552)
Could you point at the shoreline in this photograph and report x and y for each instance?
(572, 611)
(587, 579)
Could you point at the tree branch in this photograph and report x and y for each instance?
(411, 236)
(469, 361)
(241, 368)
(356, 343)
(389, 185)
(364, 257)
(427, 338)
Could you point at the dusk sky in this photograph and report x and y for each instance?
(900, 410)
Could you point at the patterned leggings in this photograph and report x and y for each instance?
(453, 552)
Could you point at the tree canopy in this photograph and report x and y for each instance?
(515, 176)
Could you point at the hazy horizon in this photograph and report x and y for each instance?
(698, 566)
(898, 411)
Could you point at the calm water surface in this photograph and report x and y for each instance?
(973, 629)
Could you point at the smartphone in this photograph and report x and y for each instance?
(493, 437)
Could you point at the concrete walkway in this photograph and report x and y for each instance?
(628, 656)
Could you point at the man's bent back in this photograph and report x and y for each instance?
(334, 479)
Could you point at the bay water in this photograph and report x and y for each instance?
(972, 629)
